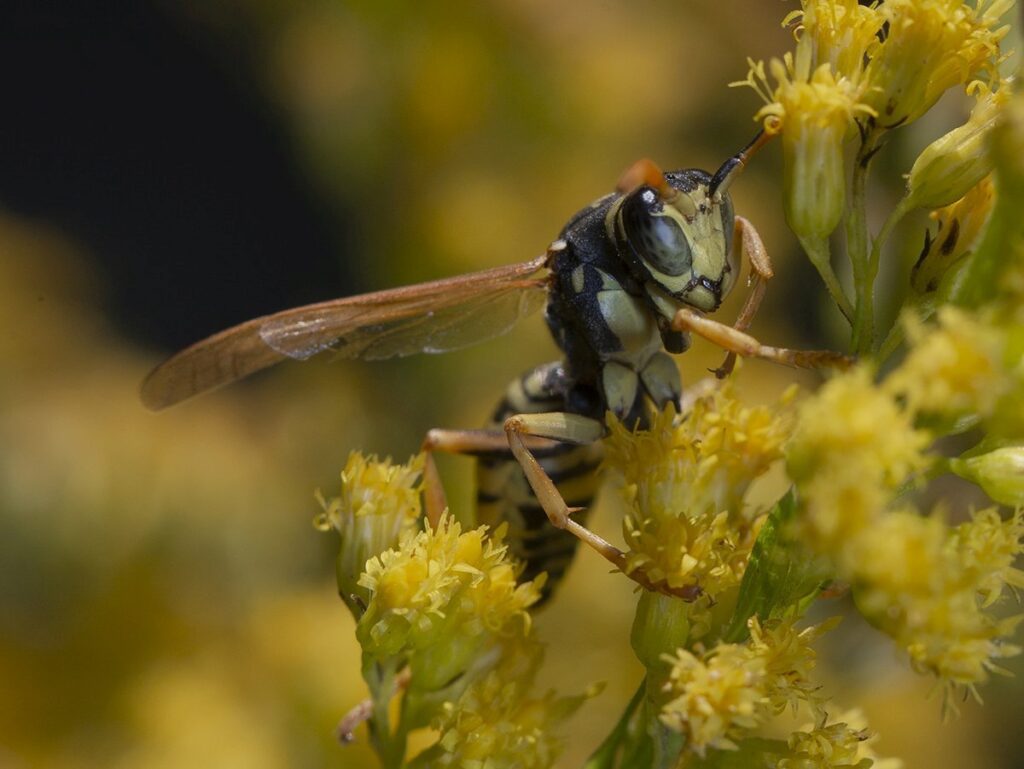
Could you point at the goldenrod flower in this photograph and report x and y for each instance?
(788, 659)
(931, 46)
(814, 110)
(986, 548)
(952, 164)
(926, 586)
(685, 480)
(953, 369)
(852, 446)
(723, 695)
(841, 744)
(496, 723)
(840, 33)
(960, 225)
(377, 503)
(439, 598)
(717, 700)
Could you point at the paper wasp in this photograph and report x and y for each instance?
(624, 284)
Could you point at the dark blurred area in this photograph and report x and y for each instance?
(129, 131)
(170, 168)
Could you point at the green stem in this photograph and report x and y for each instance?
(857, 247)
(817, 250)
(874, 260)
(390, 746)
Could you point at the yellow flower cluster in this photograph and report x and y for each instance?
(842, 744)
(853, 445)
(956, 369)
(839, 33)
(720, 697)
(929, 47)
(927, 587)
(880, 66)
(856, 447)
(814, 110)
(378, 502)
(497, 723)
(685, 480)
(440, 598)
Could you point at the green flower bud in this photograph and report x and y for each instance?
(377, 503)
(1000, 473)
(661, 625)
(954, 163)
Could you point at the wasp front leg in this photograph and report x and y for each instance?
(737, 342)
(752, 250)
(734, 339)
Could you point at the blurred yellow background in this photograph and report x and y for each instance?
(164, 598)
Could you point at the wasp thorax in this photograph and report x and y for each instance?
(682, 242)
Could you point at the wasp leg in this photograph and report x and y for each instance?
(469, 442)
(751, 247)
(566, 428)
(571, 428)
(736, 341)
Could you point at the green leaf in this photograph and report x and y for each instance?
(782, 575)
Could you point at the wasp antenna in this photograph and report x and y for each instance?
(646, 172)
(732, 167)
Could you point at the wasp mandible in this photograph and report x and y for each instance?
(625, 283)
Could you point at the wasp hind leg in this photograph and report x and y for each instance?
(521, 431)
(571, 428)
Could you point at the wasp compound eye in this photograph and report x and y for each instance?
(655, 232)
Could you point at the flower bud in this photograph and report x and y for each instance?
(378, 502)
(954, 163)
(661, 625)
(1000, 473)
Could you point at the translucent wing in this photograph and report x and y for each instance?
(429, 317)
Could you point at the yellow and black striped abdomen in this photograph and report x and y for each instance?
(504, 495)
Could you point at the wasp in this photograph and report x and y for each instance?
(624, 285)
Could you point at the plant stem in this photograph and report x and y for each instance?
(895, 217)
(857, 246)
(390, 746)
(817, 250)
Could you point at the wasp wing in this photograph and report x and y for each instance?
(428, 317)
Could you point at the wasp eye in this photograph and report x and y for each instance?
(655, 233)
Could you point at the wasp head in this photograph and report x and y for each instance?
(680, 237)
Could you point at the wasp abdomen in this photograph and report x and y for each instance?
(504, 495)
